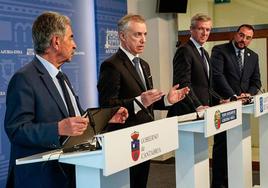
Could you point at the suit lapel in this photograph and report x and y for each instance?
(197, 54)
(48, 82)
(129, 66)
(147, 75)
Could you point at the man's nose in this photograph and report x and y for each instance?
(143, 39)
(74, 46)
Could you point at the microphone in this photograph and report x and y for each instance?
(215, 94)
(193, 106)
(144, 109)
(259, 88)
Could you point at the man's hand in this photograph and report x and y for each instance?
(201, 108)
(72, 126)
(120, 116)
(244, 97)
(151, 96)
(175, 95)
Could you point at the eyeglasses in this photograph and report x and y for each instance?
(244, 36)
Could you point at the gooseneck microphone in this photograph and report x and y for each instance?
(144, 109)
(192, 105)
(258, 87)
(215, 94)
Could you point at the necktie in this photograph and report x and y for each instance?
(204, 59)
(67, 98)
(136, 62)
(239, 60)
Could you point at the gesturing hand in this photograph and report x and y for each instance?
(151, 96)
(120, 116)
(175, 95)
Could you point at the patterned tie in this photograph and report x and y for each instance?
(136, 62)
(239, 60)
(204, 59)
(67, 98)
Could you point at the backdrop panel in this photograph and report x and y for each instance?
(107, 15)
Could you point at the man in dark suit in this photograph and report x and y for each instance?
(191, 68)
(125, 80)
(235, 75)
(40, 112)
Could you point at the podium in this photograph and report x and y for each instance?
(260, 110)
(108, 167)
(192, 160)
(239, 152)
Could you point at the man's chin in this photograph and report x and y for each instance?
(241, 47)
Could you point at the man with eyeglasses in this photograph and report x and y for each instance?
(191, 68)
(236, 74)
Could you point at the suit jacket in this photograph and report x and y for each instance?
(189, 70)
(227, 79)
(34, 107)
(119, 83)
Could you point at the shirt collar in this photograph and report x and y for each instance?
(129, 55)
(237, 49)
(52, 70)
(197, 45)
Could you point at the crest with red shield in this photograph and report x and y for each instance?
(135, 146)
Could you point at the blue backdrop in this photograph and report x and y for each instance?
(94, 26)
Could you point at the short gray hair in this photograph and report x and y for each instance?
(45, 27)
(123, 23)
(199, 18)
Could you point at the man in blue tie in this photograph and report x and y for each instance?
(191, 67)
(125, 80)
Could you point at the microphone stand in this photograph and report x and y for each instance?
(193, 106)
(144, 109)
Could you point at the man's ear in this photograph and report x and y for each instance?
(122, 36)
(191, 29)
(55, 41)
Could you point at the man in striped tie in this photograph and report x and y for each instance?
(236, 75)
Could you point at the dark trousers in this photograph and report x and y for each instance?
(219, 162)
(139, 175)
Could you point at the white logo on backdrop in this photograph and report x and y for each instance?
(112, 41)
